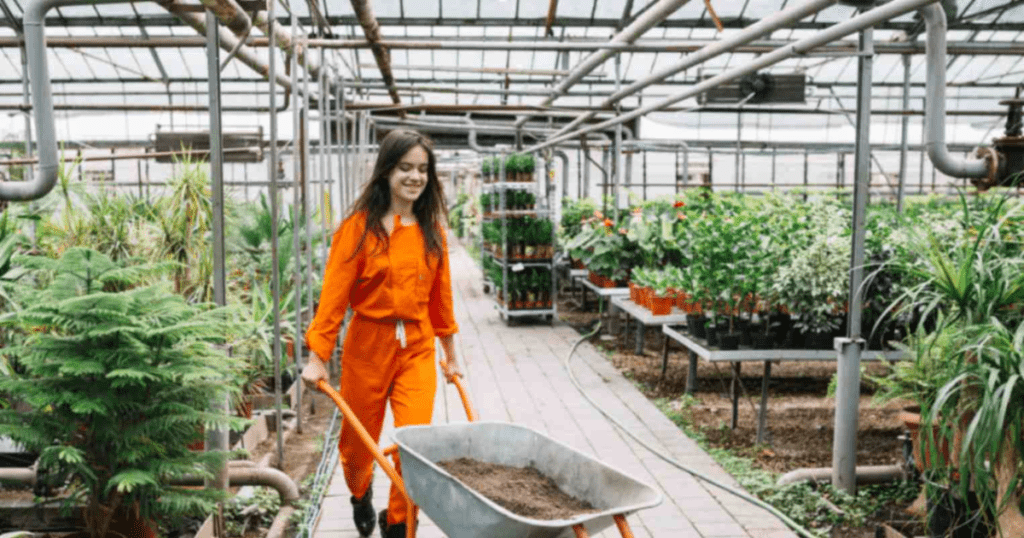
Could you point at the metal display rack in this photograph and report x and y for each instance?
(542, 210)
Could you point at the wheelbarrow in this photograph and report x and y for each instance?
(464, 513)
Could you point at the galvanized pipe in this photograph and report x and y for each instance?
(283, 40)
(228, 41)
(275, 271)
(230, 15)
(650, 18)
(904, 142)
(761, 28)
(364, 12)
(833, 33)
(577, 44)
(935, 103)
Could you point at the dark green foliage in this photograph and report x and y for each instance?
(119, 377)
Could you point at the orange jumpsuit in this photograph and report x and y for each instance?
(402, 300)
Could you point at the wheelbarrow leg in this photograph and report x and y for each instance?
(624, 530)
(581, 531)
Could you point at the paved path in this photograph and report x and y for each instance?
(516, 374)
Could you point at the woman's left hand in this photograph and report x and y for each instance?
(449, 363)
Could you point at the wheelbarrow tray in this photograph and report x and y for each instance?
(464, 513)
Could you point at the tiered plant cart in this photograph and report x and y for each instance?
(518, 238)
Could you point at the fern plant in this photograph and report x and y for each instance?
(119, 375)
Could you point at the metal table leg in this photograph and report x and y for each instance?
(639, 337)
(664, 356)
(691, 377)
(762, 414)
(735, 393)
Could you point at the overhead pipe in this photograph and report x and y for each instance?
(371, 28)
(42, 98)
(230, 14)
(761, 28)
(837, 31)
(284, 42)
(649, 19)
(228, 40)
(935, 103)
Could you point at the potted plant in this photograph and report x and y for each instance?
(485, 169)
(118, 374)
(975, 288)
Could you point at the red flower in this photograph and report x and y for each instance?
(677, 205)
(608, 223)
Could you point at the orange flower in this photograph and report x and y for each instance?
(677, 205)
(598, 214)
(680, 215)
(608, 223)
(623, 231)
(638, 210)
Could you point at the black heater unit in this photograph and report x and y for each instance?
(757, 88)
(239, 146)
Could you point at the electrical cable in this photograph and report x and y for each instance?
(739, 494)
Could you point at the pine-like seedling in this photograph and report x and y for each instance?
(119, 375)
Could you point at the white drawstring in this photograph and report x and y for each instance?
(400, 332)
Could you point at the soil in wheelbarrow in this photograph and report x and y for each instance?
(523, 491)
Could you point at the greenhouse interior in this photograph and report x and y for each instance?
(688, 268)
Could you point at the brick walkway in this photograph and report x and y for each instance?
(515, 374)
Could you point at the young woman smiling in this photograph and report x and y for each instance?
(389, 261)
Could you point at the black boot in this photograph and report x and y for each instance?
(390, 531)
(362, 513)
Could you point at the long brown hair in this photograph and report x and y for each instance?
(430, 208)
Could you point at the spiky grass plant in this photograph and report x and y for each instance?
(119, 377)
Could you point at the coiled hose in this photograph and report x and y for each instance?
(796, 527)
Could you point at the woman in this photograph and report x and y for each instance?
(389, 261)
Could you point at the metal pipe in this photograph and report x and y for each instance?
(833, 33)
(364, 12)
(935, 103)
(867, 474)
(993, 48)
(264, 20)
(230, 15)
(650, 18)
(844, 445)
(275, 271)
(299, 169)
(238, 475)
(904, 142)
(228, 40)
(728, 44)
(217, 437)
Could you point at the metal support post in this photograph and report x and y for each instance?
(275, 273)
(300, 111)
(762, 413)
(844, 447)
(216, 438)
(691, 374)
(904, 125)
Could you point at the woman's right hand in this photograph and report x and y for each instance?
(314, 371)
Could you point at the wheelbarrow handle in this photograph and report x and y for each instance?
(364, 436)
(457, 381)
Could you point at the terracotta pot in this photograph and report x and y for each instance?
(911, 418)
(661, 306)
(634, 293)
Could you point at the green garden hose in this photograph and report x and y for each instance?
(738, 493)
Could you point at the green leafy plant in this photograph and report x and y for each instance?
(119, 375)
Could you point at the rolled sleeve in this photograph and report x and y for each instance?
(341, 273)
(442, 313)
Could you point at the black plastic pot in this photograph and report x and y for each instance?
(712, 335)
(794, 339)
(950, 516)
(728, 341)
(760, 340)
(697, 326)
(818, 340)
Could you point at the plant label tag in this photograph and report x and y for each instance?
(518, 267)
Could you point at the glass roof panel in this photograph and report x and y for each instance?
(420, 8)
(502, 9)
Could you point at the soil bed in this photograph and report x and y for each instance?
(522, 491)
(800, 414)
